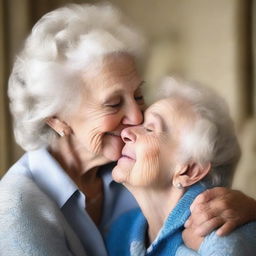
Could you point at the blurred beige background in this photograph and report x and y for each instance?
(211, 41)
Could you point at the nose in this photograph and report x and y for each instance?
(128, 135)
(133, 115)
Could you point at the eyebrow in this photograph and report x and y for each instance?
(162, 121)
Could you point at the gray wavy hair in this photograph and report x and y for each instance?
(212, 138)
(45, 79)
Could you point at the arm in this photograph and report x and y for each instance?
(220, 208)
(242, 241)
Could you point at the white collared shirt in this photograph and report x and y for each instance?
(40, 166)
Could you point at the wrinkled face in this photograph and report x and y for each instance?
(151, 150)
(111, 101)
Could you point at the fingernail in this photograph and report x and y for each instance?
(219, 232)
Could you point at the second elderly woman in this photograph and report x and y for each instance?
(185, 145)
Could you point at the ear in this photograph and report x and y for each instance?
(59, 126)
(190, 174)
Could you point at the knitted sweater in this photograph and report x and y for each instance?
(127, 235)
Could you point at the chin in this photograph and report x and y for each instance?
(119, 175)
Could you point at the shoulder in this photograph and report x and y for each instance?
(21, 198)
(30, 222)
(19, 191)
(21, 166)
(22, 203)
(241, 241)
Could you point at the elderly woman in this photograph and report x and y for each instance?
(73, 89)
(185, 145)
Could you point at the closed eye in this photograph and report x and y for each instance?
(114, 105)
(148, 129)
(138, 98)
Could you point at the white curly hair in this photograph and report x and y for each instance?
(45, 79)
(212, 139)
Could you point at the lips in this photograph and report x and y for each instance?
(128, 154)
(115, 133)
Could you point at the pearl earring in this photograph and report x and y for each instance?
(62, 133)
(178, 186)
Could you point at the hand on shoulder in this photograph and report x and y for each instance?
(218, 208)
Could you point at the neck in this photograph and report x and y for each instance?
(80, 164)
(156, 205)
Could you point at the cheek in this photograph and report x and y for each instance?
(89, 137)
(147, 168)
(99, 141)
(111, 122)
(90, 132)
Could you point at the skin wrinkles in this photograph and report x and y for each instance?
(94, 134)
(157, 144)
(154, 170)
(127, 70)
(180, 116)
(150, 160)
(117, 82)
(94, 127)
(142, 172)
(178, 110)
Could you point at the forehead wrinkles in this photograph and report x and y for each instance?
(116, 81)
(110, 70)
(110, 84)
(174, 109)
(120, 65)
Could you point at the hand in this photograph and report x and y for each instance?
(220, 208)
(191, 239)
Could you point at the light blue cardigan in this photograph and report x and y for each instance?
(52, 236)
(127, 235)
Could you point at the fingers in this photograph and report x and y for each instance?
(207, 227)
(226, 228)
(191, 239)
(208, 195)
(201, 214)
(223, 228)
(200, 199)
(210, 211)
(205, 222)
(220, 208)
(199, 217)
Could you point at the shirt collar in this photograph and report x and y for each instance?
(54, 181)
(50, 176)
(106, 174)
